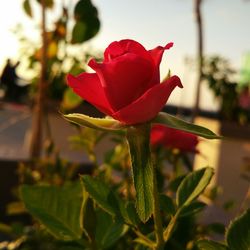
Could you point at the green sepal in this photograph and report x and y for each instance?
(104, 124)
(176, 123)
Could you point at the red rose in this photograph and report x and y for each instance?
(173, 138)
(127, 84)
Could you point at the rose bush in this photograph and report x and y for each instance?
(126, 86)
(173, 138)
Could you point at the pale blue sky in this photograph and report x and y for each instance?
(156, 22)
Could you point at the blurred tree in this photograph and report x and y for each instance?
(220, 76)
(199, 22)
(245, 71)
(54, 57)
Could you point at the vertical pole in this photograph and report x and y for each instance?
(38, 111)
(198, 18)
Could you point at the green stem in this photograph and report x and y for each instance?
(157, 214)
(93, 245)
(169, 230)
(149, 242)
(144, 177)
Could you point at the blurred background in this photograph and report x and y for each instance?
(44, 40)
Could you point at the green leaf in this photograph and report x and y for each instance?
(87, 23)
(104, 124)
(167, 204)
(192, 208)
(129, 214)
(58, 208)
(210, 245)
(88, 217)
(108, 230)
(27, 8)
(238, 232)
(175, 183)
(78, 32)
(101, 194)
(70, 99)
(216, 227)
(84, 10)
(193, 185)
(142, 169)
(70, 248)
(174, 122)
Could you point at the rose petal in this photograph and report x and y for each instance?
(156, 55)
(157, 135)
(173, 138)
(124, 79)
(113, 50)
(88, 86)
(117, 49)
(149, 104)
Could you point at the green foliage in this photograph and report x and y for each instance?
(210, 245)
(167, 205)
(238, 232)
(192, 208)
(129, 214)
(220, 77)
(174, 122)
(108, 230)
(61, 58)
(78, 32)
(88, 220)
(193, 185)
(237, 235)
(101, 194)
(27, 8)
(70, 100)
(103, 226)
(189, 189)
(87, 23)
(58, 208)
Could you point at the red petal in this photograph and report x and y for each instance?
(149, 104)
(173, 138)
(88, 86)
(116, 49)
(112, 51)
(124, 79)
(156, 55)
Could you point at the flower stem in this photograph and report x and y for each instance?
(157, 215)
(144, 177)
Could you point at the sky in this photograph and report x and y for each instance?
(153, 23)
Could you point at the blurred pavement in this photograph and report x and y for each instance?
(15, 124)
